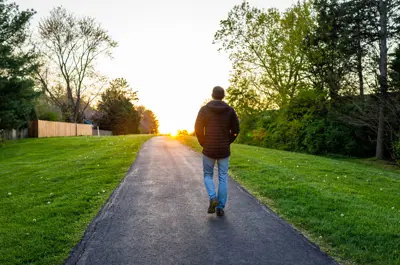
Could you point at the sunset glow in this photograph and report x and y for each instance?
(174, 118)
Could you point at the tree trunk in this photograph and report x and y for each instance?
(382, 78)
(381, 133)
(359, 58)
(360, 70)
(76, 109)
(71, 103)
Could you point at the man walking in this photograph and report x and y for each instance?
(217, 126)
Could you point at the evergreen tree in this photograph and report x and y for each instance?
(17, 95)
(117, 112)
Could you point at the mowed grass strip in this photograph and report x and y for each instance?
(351, 209)
(50, 190)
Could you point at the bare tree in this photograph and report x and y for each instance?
(69, 48)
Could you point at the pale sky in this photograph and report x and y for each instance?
(165, 49)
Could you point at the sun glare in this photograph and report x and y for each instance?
(172, 126)
(174, 117)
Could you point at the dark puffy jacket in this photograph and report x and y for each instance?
(217, 126)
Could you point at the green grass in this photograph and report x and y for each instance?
(50, 190)
(351, 208)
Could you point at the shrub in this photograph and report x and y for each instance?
(49, 116)
(397, 150)
(2, 140)
(315, 136)
(307, 124)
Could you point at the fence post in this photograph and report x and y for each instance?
(98, 131)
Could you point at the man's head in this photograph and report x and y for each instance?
(218, 93)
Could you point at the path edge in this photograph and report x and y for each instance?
(266, 208)
(78, 250)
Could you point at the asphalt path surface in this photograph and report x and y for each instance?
(158, 215)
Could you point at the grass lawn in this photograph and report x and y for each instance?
(350, 208)
(50, 190)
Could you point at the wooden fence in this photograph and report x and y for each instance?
(40, 129)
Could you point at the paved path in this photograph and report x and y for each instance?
(158, 216)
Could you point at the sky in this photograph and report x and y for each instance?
(165, 49)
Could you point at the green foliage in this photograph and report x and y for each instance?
(49, 116)
(2, 140)
(349, 207)
(328, 49)
(328, 136)
(394, 70)
(116, 111)
(307, 124)
(243, 97)
(302, 80)
(46, 110)
(266, 50)
(17, 101)
(149, 123)
(17, 93)
(397, 150)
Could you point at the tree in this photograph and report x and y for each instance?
(69, 48)
(328, 49)
(358, 16)
(116, 109)
(385, 30)
(266, 51)
(141, 109)
(394, 70)
(182, 133)
(17, 95)
(347, 32)
(148, 120)
(244, 97)
(331, 53)
(149, 123)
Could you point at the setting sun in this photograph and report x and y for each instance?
(168, 126)
(174, 117)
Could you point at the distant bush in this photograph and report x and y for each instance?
(182, 133)
(397, 150)
(2, 140)
(45, 110)
(307, 124)
(48, 116)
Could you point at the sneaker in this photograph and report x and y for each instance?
(213, 205)
(220, 212)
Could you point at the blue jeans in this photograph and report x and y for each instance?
(208, 169)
